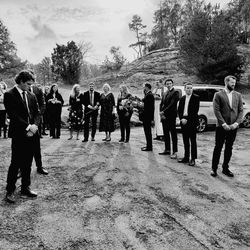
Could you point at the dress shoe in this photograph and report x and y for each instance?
(227, 173)
(213, 173)
(85, 140)
(121, 140)
(146, 149)
(164, 153)
(109, 139)
(42, 171)
(44, 133)
(126, 141)
(183, 160)
(104, 139)
(70, 137)
(28, 193)
(10, 198)
(173, 156)
(191, 162)
(92, 139)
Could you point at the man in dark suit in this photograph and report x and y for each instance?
(23, 111)
(228, 109)
(168, 113)
(41, 105)
(148, 116)
(91, 102)
(188, 113)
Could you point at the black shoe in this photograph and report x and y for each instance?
(213, 173)
(192, 162)
(92, 139)
(126, 141)
(157, 138)
(183, 160)
(164, 153)
(85, 140)
(44, 133)
(41, 137)
(10, 198)
(146, 149)
(121, 140)
(104, 139)
(227, 173)
(42, 170)
(28, 193)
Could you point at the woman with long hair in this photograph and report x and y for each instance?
(3, 89)
(55, 102)
(124, 110)
(75, 111)
(107, 102)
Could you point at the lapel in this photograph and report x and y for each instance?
(20, 99)
(226, 98)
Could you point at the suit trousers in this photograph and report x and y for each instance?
(148, 133)
(124, 126)
(169, 127)
(189, 137)
(222, 136)
(21, 158)
(37, 152)
(93, 117)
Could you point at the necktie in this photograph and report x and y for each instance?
(91, 98)
(25, 102)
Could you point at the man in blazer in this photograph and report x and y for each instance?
(188, 113)
(23, 111)
(91, 102)
(228, 109)
(168, 113)
(148, 116)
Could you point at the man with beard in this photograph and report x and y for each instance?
(228, 109)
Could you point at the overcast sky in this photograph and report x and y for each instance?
(35, 26)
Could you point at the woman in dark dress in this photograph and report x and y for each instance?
(107, 102)
(75, 111)
(54, 102)
(124, 109)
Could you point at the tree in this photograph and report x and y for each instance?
(118, 58)
(136, 26)
(209, 45)
(10, 63)
(117, 62)
(66, 62)
(43, 71)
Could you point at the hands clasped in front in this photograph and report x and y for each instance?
(230, 127)
(32, 130)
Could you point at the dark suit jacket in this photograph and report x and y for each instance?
(19, 116)
(149, 107)
(193, 109)
(86, 100)
(169, 103)
(40, 98)
(222, 110)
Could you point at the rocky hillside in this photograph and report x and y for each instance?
(155, 65)
(158, 64)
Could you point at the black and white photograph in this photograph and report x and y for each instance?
(124, 125)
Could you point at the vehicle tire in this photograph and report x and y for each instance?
(202, 126)
(246, 121)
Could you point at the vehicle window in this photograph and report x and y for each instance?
(202, 93)
(211, 93)
(180, 92)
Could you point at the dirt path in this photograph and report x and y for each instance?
(103, 195)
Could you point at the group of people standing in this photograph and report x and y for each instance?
(25, 113)
(228, 110)
(84, 108)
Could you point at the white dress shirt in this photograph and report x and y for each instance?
(187, 99)
(230, 97)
